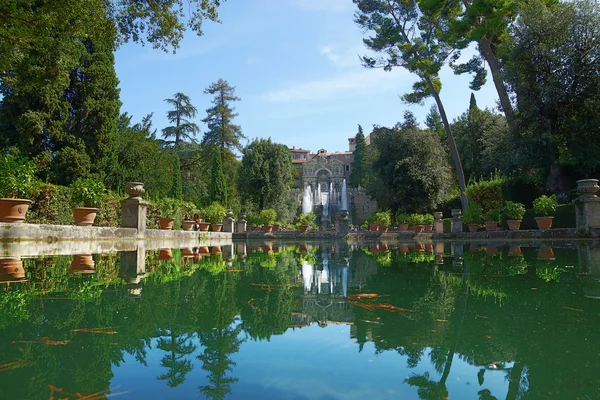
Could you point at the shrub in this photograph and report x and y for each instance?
(86, 192)
(168, 207)
(214, 213)
(415, 219)
(486, 192)
(492, 215)
(188, 209)
(17, 177)
(428, 219)
(514, 210)
(307, 219)
(544, 205)
(383, 218)
(51, 205)
(268, 216)
(109, 213)
(473, 214)
(401, 217)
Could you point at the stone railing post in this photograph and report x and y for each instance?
(241, 223)
(134, 207)
(228, 222)
(457, 224)
(438, 222)
(587, 206)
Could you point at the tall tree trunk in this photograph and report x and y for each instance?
(485, 47)
(453, 149)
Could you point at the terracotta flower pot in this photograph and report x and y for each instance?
(216, 227)
(544, 223)
(515, 251)
(84, 216)
(473, 227)
(82, 264)
(418, 228)
(267, 228)
(403, 227)
(187, 224)
(546, 253)
(373, 227)
(404, 248)
(303, 228)
(166, 223)
(429, 247)
(491, 226)
(13, 210)
(203, 226)
(267, 248)
(203, 251)
(419, 247)
(216, 250)
(275, 228)
(428, 228)
(374, 248)
(187, 252)
(513, 224)
(165, 254)
(11, 269)
(384, 229)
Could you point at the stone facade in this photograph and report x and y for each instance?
(361, 204)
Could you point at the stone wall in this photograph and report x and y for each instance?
(361, 205)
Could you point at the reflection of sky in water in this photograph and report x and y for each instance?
(308, 363)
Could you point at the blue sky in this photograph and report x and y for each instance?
(294, 64)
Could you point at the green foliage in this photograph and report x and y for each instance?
(266, 174)
(416, 219)
(188, 209)
(514, 210)
(17, 176)
(544, 205)
(492, 216)
(222, 132)
(268, 216)
(383, 218)
(214, 213)
(217, 191)
(358, 175)
(181, 115)
(401, 217)
(52, 205)
(486, 192)
(176, 191)
(168, 207)
(307, 219)
(473, 214)
(87, 192)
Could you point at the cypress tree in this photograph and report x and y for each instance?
(358, 173)
(217, 179)
(176, 191)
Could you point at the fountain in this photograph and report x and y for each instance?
(307, 203)
(344, 196)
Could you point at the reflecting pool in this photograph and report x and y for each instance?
(314, 320)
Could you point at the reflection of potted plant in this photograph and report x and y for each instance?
(17, 181)
(546, 253)
(165, 254)
(168, 208)
(543, 206)
(11, 270)
(86, 195)
(267, 218)
(401, 219)
(514, 213)
(82, 264)
(492, 219)
(383, 220)
(473, 216)
(214, 214)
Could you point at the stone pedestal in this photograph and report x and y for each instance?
(438, 222)
(343, 223)
(134, 208)
(228, 222)
(457, 224)
(133, 265)
(241, 223)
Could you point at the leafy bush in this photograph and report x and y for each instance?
(168, 207)
(383, 218)
(416, 219)
(486, 192)
(492, 216)
(51, 205)
(428, 219)
(473, 214)
(401, 217)
(188, 209)
(307, 219)
(514, 210)
(268, 216)
(86, 192)
(214, 213)
(109, 213)
(544, 205)
(17, 177)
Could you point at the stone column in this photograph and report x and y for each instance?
(241, 223)
(133, 265)
(438, 222)
(228, 222)
(587, 206)
(457, 224)
(134, 208)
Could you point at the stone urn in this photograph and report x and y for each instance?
(588, 187)
(135, 190)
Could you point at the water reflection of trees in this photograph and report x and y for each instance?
(492, 310)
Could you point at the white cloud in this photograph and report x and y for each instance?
(347, 58)
(325, 5)
(352, 83)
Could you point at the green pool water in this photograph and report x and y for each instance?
(310, 320)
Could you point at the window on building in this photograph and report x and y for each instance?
(347, 168)
(347, 155)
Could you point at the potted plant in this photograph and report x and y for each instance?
(401, 219)
(214, 214)
(492, 219)
(267, 218)
(86, 195)
(189, 210)
(514, 213)
(428, 222)
(473, 216)
(417, 222)
(17, 181)
(168, 209)
(383, 219)
(306, 221)
(543, 206)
